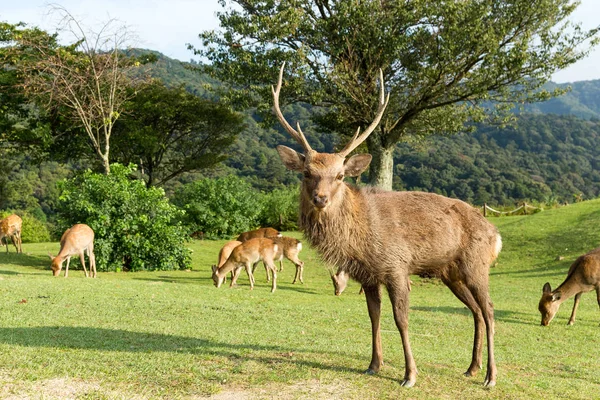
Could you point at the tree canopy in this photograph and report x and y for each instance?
(445, 63)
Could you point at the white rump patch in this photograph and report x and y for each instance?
(498, 245)
(299, 246)
(275, 248)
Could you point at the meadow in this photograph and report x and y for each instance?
(169, 335)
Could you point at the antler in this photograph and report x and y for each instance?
(357, 140)
(298, 135)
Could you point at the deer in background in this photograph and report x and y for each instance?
(340, 281)
(380, 238)
(224, 254)
(245, 256)
(259, 233)
(76, 240)
(10, 227)
(289, 248)
(268, 233)
(583, 276)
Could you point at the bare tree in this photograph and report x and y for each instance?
(86, 81)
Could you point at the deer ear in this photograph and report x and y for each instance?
(356, 164)
(546, 289)
(51, 256)
(214, 268)
(291, 158)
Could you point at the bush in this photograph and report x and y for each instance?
(219, 208)
(281, 208)
(33, 230)
(136, 227)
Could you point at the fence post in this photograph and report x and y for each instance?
(485, 209)
(524, 208)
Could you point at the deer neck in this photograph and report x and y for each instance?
(341, 232)
(569, 288)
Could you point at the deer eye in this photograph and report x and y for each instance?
(306, 174)
(340, 177)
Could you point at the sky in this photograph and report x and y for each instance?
(167, 25)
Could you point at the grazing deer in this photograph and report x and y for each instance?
(583, 276)
(259, 233)
(262, 233)
(75, 240)
(379, 238)
(10, 227)
(340, 281)
(245, 256)
(224, 254)
(289, 248)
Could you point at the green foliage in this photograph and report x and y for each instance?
(444, 63)
(171, 131)
(33, 230)
(280, 209)
(545, 158)
(219, 208)
(136, 227)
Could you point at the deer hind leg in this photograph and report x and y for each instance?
(271, 265)
(15, 241)
(399, 291)
(248, 267)
(20, 242)
(481, 295)
(92, 258)
(575, 304)
(82, 258)
(299, 271)
(463, 294)
(373, 296)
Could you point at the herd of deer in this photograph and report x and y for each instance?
(375, 237)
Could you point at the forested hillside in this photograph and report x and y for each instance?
(542, 157)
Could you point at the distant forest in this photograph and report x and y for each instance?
(551, 154)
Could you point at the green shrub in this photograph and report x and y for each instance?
(136, 228)
(219, 208)
(33, 230)
(281, 208)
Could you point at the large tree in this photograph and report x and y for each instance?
(86, 81)
(169, 131)
(445, 63)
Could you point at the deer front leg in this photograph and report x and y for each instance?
(67, 266)
(575, 304)
(236, 273)
(398, 292)
(248, 267)
(373, 295)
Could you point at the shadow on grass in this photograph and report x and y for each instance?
(25, 260)
(86, 338)
(513, 317)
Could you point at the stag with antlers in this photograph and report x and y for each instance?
(379, 238)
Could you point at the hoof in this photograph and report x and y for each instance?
(489, 384)
(407, 383)
(370, 372)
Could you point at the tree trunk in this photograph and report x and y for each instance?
(381, 171)
(106, 165)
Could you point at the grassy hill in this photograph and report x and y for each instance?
(174, 335)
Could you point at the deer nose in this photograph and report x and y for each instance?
(320, 200)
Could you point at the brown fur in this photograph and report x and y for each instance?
(259, 233)
(75, 240)
(290, 248)
(10, 227)
(583, 276)
(245, 256)
(224, 254)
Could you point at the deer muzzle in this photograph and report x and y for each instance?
(320, 201)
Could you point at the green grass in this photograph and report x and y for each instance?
(174, 335)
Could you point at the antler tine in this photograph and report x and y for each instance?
(357, 140)
(297, 135)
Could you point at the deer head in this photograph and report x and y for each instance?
(324, 172)
(218, 280)
(549, 304)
